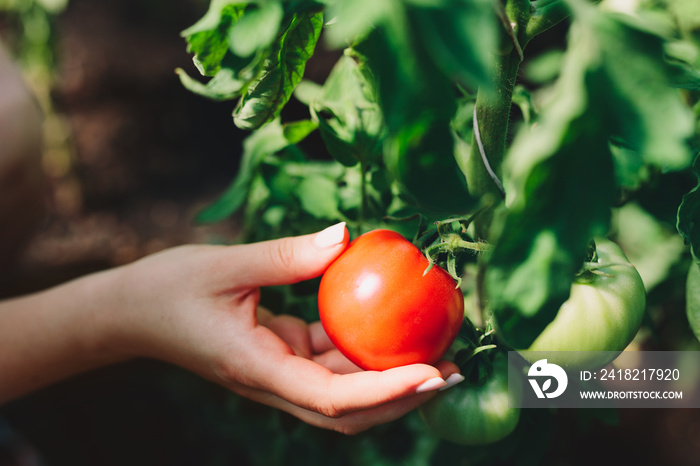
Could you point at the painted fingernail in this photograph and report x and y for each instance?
(331, 236)
(430, 385)
(452, 380)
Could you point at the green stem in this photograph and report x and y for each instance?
(363, 196)
(492, 116)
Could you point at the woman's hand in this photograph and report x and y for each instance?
(197, 307)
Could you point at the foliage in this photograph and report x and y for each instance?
(437, 111)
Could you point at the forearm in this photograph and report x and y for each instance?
(54, 334)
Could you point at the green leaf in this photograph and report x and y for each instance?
(459, 36)
(297, 131)
(223, 86)
(319, 197)
(256, 148)
(645, 110)
(408, 85)
(631, 171)
(560, 183)
(307, 91)
(652, 246)
(337, 138)
(257, 29)
(350, 20)
(422, 161)
(560, 175)
(281, 71)
(350, 122)
(208, 37)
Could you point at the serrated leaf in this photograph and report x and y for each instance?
(350, 123)
(256, 148)
(208, 37)
(281, 71)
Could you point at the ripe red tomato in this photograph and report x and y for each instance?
(380, 311)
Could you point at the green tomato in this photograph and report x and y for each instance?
(603, 313)
(474, 414)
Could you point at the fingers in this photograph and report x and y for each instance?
(308, 341)
(315, 388)
(358, 421)
(320, 343)
(282, 261)
(292, 330)
(334, 361)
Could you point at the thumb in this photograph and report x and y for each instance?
(287, 260)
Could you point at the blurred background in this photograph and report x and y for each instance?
(129, 158)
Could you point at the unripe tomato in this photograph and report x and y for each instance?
(474, 413)
(602, 314)
(379, 309)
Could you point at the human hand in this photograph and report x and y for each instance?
(197, 307)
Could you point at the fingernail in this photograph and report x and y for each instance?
(331, 236)
(430, 385)
(452, 380)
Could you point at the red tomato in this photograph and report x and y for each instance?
(380, 311)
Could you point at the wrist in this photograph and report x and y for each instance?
(103, 311)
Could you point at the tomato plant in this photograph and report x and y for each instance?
(520, 130)
(381, 310)
(603, 312)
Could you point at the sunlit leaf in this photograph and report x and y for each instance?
(208, 37)
(281, 71)
(256, 29)
(350, 122)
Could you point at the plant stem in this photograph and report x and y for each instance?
(363, 195)
(492, 115)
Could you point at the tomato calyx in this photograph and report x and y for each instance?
(448, 244)
(593, 267)
(472, 352)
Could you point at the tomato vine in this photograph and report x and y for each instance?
(502, 151)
